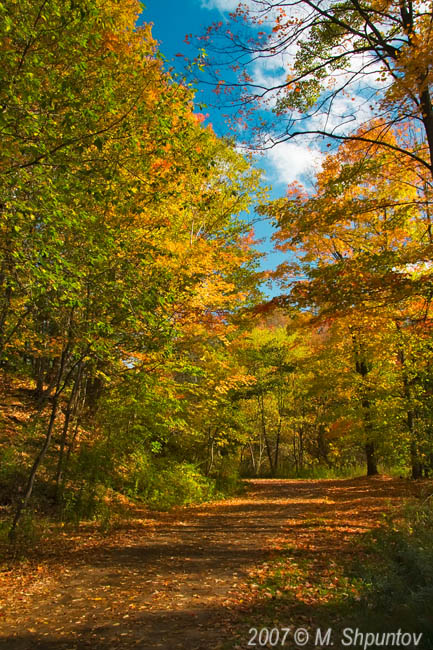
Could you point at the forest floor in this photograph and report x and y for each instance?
(199, 577)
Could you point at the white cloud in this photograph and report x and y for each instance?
(256, 7)
(222, 5)
(290, 161)
(342, 116)
(271, 72)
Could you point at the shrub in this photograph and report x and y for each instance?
(12, 473)
(176, 484)
(399, 582)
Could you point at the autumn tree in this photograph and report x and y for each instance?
(121, 229)
(361, 243)
(264, 352)
(322, 68)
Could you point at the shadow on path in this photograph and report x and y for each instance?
(177, 583)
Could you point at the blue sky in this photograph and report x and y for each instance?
(172, 20)
(296, 159)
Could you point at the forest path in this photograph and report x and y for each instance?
(179, 580)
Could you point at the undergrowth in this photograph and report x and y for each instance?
(384, 585)
(398, 581)
(152, 485)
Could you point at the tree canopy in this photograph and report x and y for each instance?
(326, 68)
(138, 354)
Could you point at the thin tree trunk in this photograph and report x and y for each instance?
(82, 398)
(295, 455)
(427, 118)
(39, 458)
(253, 460)
(210, 460)
(71, 411)
(59, 387)
(301, 448)
(277, 446)
(68, 455)
(416, 465)
(370, 447)
(265, 434)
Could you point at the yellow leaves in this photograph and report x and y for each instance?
(146, 33)
(233, 382)
(151, 97)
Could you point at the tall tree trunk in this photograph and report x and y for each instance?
(277, 446)
(369, 447)
(301, 448)
(295, 454)
(322, 451)
(69, 454)
(265, 434)
(210, 453)
(253, 460)
(370, 455)
(60, 384)
(427, 118)
(416, 465)
(39, 375)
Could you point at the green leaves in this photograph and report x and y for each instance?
(123, 256)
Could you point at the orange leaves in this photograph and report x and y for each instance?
(160, 166)
(111, 41)
(248, 240)
(367, 205)
(232, 382)
(200, 117)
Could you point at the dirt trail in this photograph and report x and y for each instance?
(176, 580)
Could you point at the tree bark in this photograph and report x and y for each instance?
(39, 458)
(427, 118)
(370, 455)
(370, 450)
(277, 446)
(416, 465)
(71, 411)
(265, 434)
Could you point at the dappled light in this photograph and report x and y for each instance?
(216, 358)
